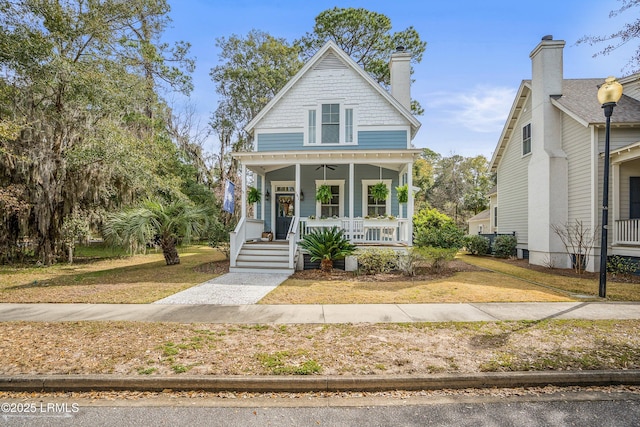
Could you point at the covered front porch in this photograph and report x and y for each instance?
(625, 174)
(288, 209)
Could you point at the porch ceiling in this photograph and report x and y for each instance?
(263, 162)
(625, 154)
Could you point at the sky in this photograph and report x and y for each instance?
(477, 53)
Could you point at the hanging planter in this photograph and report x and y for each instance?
(379, 192)
(323, 194)
(403, 193)
(253, 196)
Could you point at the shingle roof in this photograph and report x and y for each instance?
(486, 214)
(579, 98)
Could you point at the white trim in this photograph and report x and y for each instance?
(273, 203)
(340, 184)
(365, 200)
(259, 131)
(332, 46)
(342, 111)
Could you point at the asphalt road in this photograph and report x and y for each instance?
(561, 409)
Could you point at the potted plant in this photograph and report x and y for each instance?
(379, 192)
(403, 193)
(323, 194)
(253, 196)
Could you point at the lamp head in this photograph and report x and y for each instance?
(610, 92)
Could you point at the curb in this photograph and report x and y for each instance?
(265, 384)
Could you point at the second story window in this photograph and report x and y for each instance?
(330, 124)
(526, 139)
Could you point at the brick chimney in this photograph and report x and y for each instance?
(400, 68)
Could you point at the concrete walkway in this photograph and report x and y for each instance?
(230, 288)
(343, 313)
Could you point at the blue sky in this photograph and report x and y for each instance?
(477, 53)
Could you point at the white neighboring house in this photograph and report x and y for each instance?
(549, 162)
(485, 222)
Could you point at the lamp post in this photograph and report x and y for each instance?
(608, 94)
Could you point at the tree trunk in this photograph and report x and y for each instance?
(326, 265)
(170, 251)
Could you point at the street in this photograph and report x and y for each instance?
(562, 408)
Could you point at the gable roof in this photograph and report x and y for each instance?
(330, 53)
(512, 119)
(579, 101)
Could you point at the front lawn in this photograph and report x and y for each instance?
(137, 279)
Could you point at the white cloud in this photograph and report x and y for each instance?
(484, 109)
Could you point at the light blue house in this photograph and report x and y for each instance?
(333, 125)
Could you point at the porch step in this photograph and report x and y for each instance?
(263, 257)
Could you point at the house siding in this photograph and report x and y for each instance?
(311, 174)
(339, 84)
(576, 142)
(513, 184)
(367, 140)
(618, 138)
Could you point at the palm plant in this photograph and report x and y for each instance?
(327, 245)
(168, 224)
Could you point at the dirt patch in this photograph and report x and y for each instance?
(452, 267)
(145, 348)
(215, 267)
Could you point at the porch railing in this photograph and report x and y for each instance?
(245, 230)
(627, 232)
(292, 237)
(362, 230)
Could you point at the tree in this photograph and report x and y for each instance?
(628, 33)
(167, 224)
(80, 81)
(252, 71)
(365, 36)
(459, 185)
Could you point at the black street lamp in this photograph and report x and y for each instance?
(608, 94)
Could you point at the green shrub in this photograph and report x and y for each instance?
(621, 265)
(477, 245)
(409, 261)
(435, 229)
(437, 257)
(327, 245)
(374, 261)
(505, 246)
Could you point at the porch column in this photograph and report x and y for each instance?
(243, 210)
(352, 176)
(263, 184)
(615, 202)
(297, 196)
(410, 203)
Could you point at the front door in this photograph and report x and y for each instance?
(285, 210)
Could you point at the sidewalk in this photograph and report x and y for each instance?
(319, 314)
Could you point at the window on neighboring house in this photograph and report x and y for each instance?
(495, 216)
(333, 207)
(312, 126)
(372, 207)
(330, 124)
(526, 139)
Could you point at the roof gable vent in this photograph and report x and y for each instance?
(330, 62)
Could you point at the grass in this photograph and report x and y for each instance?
(478, 286)
(137, 279)
(148, 348)
(616, 291)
